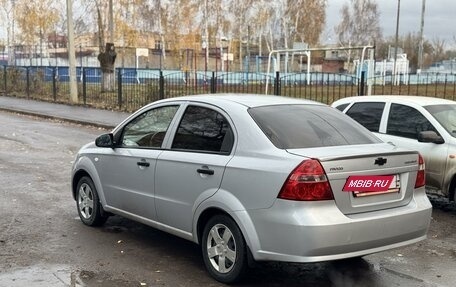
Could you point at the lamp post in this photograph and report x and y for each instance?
(397, 39)
(420, 50)
(71, 53)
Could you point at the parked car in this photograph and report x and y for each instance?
(425, 124)
(251, 177)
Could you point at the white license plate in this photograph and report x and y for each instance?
(395, 187)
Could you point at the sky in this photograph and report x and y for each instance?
(439, 21)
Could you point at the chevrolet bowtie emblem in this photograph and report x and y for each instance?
(380, 161)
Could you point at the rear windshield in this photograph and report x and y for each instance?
(305, 126)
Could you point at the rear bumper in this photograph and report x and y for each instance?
(317, 231)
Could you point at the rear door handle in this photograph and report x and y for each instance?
(205, 171)
(143, 163)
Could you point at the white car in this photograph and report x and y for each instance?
(425, 124)
(251, 177)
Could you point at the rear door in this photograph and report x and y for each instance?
(192, 167)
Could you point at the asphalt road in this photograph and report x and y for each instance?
(43, 243)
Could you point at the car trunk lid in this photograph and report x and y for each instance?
(350, 169)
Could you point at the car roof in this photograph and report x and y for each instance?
(417, 100)
(248, 100)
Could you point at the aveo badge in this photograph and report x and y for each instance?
(368, 183)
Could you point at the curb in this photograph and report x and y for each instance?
(65, 119)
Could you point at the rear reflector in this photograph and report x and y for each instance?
(420, 176)
(307, 182)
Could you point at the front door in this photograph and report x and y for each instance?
(127, 172)
(404, 124)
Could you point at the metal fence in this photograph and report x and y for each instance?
(137, 87)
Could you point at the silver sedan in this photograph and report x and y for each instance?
(252, 177)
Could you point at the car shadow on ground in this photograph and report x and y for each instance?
(443, 204)
(186, 262)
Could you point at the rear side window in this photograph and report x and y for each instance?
(203, 129)
(305, 126)
(407, 122)
(367, 114)
(342, 107)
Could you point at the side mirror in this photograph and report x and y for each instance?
(105, 140)
(430, 137)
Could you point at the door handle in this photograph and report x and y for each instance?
(143, 163)
(205, 171)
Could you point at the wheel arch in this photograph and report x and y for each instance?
(224, 202)
(76, 178)
(205, 216)
(85, 167)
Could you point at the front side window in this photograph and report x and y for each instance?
(203, 129)
(148, 129)
(445, 115)
(405, 121)
(367, 114)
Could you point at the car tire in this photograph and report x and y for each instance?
(451, 196)
(88, 203)
(224, 249)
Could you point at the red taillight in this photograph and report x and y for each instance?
(420, 176)
(307, 182)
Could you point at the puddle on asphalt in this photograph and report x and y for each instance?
(59, 276)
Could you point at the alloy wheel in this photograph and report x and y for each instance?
(85, 201)
(221, 248)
